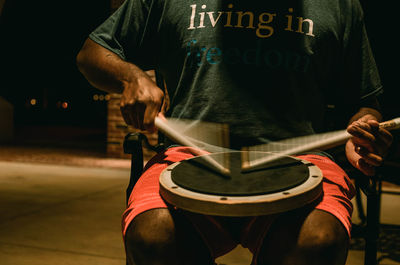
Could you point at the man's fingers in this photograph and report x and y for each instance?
(361, 130)
(365, 168)
(133, 114)
(126, 114)
(385, 137)
(150, 114)
(367, 135)
(370, 133)
(373, 123)
(370, 158)
(138, 114)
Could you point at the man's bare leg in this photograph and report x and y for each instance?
(309, 237)
(164, 237)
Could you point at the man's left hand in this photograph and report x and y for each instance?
(368, 145)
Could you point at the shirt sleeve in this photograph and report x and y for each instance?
(127, 33)
(360, 72)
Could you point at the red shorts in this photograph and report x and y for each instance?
(337, 193)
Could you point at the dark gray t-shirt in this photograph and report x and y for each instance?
(266, 68)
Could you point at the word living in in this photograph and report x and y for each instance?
(246, 19)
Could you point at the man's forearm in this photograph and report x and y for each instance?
(104, 69)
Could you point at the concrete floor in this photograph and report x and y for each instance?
(70, 215)
(54, 214)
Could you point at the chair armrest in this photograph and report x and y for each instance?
(133, 145)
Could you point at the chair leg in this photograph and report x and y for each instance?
(360, 207)
(371, 240)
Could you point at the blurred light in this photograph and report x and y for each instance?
(101, 97)
(95, 97)
(33, 102)
(107, 97)
(64, 105)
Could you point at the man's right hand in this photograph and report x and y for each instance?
(141, 102)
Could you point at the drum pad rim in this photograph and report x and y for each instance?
(255, 205)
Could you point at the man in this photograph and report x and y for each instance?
(268, 69)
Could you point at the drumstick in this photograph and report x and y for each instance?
(329, 140)
(183, 140)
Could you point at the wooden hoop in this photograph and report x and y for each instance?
(254, 205)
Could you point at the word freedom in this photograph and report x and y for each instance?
(258, 56)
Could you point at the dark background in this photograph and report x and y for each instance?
(38, 48)
(381, 24)
(39, 44)
(40, 41)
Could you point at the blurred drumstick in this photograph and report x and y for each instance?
(302, 144)
(179, 138)
(393, 124)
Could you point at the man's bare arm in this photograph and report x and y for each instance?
(141, 98)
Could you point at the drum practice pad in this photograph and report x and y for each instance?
(282, 185)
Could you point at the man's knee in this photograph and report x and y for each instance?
(326, 240)
(316, 237)
(151, 229)
(151, 235)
